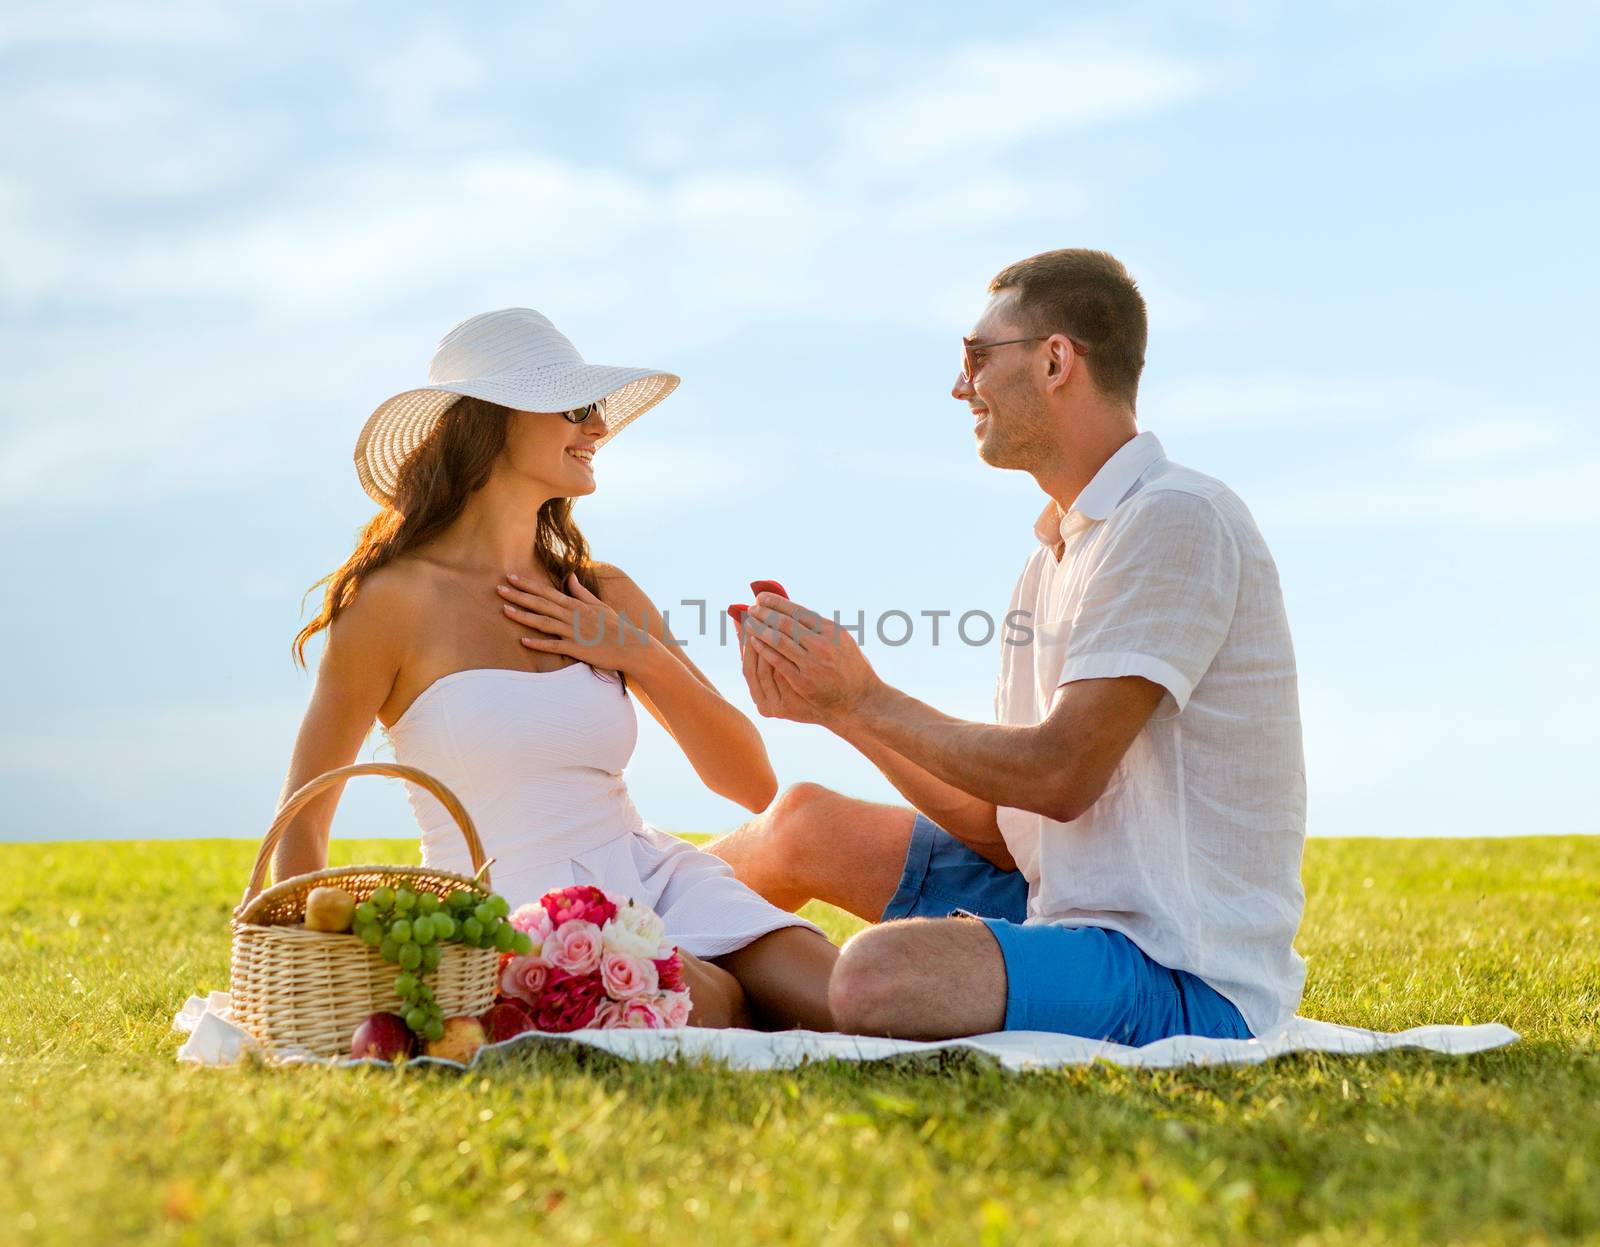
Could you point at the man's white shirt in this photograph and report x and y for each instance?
(1193, 851)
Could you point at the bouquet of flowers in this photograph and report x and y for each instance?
(596, 961)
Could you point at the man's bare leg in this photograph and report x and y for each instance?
(813, 843)
(921, 978)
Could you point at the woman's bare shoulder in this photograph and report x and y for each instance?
(617, 588)
(390, 595)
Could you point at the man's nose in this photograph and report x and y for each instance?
(962, 389)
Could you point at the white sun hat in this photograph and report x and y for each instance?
(514, 357)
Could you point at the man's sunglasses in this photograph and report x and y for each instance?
(579, 414)
(972, 351)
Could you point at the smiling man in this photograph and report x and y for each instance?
(1118, 855)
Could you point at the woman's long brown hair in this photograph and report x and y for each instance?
(434, 486)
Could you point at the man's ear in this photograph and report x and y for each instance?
(1062, 359)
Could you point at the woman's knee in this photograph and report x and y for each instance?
(716, 997)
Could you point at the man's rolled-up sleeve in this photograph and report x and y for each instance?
(1159, 597)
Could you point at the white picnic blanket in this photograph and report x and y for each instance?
(214, 1039)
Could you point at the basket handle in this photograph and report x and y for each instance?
(296, 803)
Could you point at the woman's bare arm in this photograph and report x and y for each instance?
(721, 743)
(354, 677)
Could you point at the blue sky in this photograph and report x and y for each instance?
(1366, 238)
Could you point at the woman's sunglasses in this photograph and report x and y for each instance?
(579, 414)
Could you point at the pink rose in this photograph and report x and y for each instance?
(626, 977)
(675, 1009)
(534, 920)
(570, 1004)
(640, 1013)
(525, 978)
(608, 1016)
(579, 903)
(669, 971)
(574, 947)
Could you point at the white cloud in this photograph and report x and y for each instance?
(1217, 402)
(414, 82)
(1478, 440)
(34, 23)
(1565, 494)
(165, 743)
(265, 303)
(966, 104)
(1447, 423)
(1414, 475)
(1416, 44)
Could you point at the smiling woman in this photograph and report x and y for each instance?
(472, 623)
(432, 491)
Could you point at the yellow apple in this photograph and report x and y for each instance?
(329, 909)
(462, 1038)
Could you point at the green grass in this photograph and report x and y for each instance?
(109, 1139)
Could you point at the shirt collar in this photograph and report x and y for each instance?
(1109, 486)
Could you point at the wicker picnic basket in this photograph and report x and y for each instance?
(299, 989)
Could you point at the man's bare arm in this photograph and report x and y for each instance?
(968, 818)
(1057, 767)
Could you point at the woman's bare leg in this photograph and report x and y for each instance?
(715, 996)
(785, 978)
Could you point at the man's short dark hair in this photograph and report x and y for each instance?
(1090, 297)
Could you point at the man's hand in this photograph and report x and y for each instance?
(816, 658)
(771, 691)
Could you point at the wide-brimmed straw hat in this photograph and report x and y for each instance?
(514, 357)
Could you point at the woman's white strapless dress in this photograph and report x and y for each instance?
(536, 757)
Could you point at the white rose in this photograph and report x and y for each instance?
(635, 930)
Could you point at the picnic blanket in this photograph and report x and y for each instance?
(214, 1039)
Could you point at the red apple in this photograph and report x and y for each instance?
(460, 1042)
(503, 1020)
(759, 587)
(385, 1036)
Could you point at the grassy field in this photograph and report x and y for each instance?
(110, 1140)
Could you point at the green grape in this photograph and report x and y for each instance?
(383, 899)
(427, 903)
(406, 987)
(389, 950)
(501, 906)
(400, 930)
(422, 929)
(431, 956)
(459, 899)
(484, 914)
(372, 935)
(416, 1018)
(472, 930)
(505, 938)
(366, 912)
(444, 927)
(405, 900)
(434, 1029)
(410, 956)
(521, 943)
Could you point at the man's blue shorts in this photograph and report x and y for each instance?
(1087, 981)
